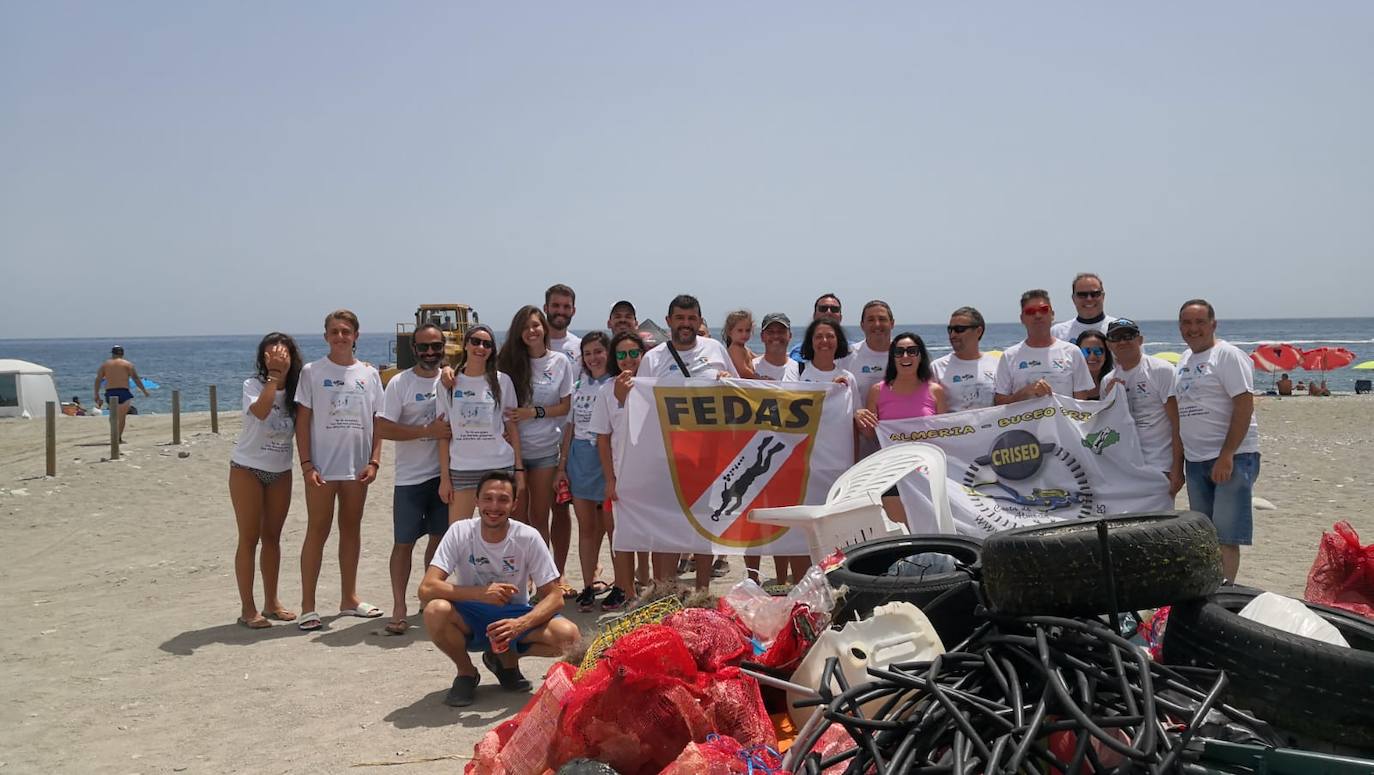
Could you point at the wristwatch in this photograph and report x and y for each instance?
(539, 411)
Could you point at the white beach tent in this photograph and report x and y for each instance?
(24, 388)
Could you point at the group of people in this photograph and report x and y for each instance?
(525, 432)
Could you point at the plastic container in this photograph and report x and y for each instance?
(832, 526)
(896, 632)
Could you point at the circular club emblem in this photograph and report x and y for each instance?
(1024, 480)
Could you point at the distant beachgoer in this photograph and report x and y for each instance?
(338, 398)
(579, 465)
(1322, 390)
(260, 475)
(775, 364)
(827, 305)
(622, 318)
(410, 417)
(116, 372)
(1041, 364)
(482, 437)
(475, 594)
(738, 330)
(608, 423)
(74, 408)
(1301, 386)
(1214, 385)
(967, 374)
(1089, 297)
(1148, 383)
(1285, 386)
(1093, 345)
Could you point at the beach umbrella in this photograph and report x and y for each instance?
(1366, 366)
(1276, 357)
(1325, 359)
(1171, 357)
(998, 354)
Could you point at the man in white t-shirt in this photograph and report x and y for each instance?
(967, 374)
(560, 304)
(775, 364)
(409, 418)
(475, 596)
(1214, 384)
(1088, 299)
(1040, 364)
(623, 318)
(1148, 383)
(867, 359)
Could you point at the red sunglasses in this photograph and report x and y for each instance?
(1040, 309)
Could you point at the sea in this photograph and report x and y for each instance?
(192, 364)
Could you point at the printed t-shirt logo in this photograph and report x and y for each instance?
(508, 563)
(1028, 364)
(423, 396)
(732, 449)
(329, 383)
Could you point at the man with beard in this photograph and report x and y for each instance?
(559, 307)
(622, 318)
(967, 374)
(408, 417)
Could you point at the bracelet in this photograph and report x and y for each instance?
(374, 463)
(519, 470)
(539, 411)
(305, 463)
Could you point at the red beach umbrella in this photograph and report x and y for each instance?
(1327, 358)
(1276, 357)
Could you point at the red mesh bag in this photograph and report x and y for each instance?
(736, 708)
(486, 754)
(1343, 573)
(802, 629)
(521, 743)
(711, 636)
(723, 755)
(834, 740)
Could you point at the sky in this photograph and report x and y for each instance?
(213, 168)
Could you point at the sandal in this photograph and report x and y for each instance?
(280, 615)
(310, 621)
(258, 623)
(396, 627)
(511, 679)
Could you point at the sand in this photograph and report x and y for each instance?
(122, 654)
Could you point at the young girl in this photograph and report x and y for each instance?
(739, 328)
(340, 455)
(608, 423)
(260, 475)
(580, 464)
(483, 439)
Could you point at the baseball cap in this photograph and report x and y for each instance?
(119, 348)
(623, 304)
(1122, 324)
(775, 317)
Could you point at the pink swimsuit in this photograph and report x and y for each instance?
(896, 406)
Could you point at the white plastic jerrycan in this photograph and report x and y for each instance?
(896, 632)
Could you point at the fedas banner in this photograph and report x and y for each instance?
(1049, 459)
(701, 454)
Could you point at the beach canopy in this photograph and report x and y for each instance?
(24, 388)
(1327, 358)
(1170, 357)
(1276, 357)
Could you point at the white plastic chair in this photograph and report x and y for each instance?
(853, 509)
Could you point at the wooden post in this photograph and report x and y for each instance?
(52, 438)
(176, 416)
(114, 427)
(214, 409)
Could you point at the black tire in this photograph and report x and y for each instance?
(1299, 685)
(1057, 568)
(948, 599)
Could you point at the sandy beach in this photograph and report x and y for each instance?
(123, 655)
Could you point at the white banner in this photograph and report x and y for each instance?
(701, 454)
(1044, 460)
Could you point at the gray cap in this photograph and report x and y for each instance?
(775, 317)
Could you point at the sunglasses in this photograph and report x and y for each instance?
(487, 343)
(621, 355)
(1087, 294)
(1122, 336)
(1089, 352)
(423, 347)
(827, 308)
(903, 352)
(959, 329)
(1039, 309)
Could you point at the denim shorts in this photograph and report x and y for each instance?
(468, 480)
(1227, 505)
(544, 461)
(585, 478)
(417, 509)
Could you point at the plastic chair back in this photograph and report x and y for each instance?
(881, 470)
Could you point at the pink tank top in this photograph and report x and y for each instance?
(895, 406)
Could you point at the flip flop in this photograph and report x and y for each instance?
(310, 621)
(281, 615)
(259, 623)
(397, 627)
(600, 587)
(568, 592)
(363, 611)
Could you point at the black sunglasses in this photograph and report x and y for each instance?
(421, 347)
(902, 352)
(487, 343)
(1121, 336)
(827, 308)
(1087, 294)
(959, 329)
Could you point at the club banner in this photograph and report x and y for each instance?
(701, 454)
(1045, 460)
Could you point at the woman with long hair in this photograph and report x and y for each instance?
(738, 330)
(908, 389)
(580, 464)
(608, 423)
(1093, 344)
(543, 382)
(260, 475)
(482, 438)
(337, 397)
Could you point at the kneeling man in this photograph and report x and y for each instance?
(475, 594)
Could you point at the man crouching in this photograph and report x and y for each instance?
(485, 606)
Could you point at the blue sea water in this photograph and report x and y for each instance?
(192, 363)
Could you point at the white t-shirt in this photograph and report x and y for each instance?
(342, 401)
(867, 366)
(571, 346)
(706, 359)
(586, 395)
(812, 374)
(1205, 383)
(551, 378)
(519, 558)
(1068, 330)
(967, 384)
(784, 373)
(410, 400)
(1148, 387)
(608, 419)
(1061, 364)
(264, 444)
(476, 422)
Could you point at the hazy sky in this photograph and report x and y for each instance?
(196, 168)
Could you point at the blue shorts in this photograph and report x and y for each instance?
(1227, 505)
(124, 395)
(585, 478)
(416, 509)
(478, 616)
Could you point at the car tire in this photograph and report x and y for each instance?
(1057, 568)
(1300, 685)
(947, 598)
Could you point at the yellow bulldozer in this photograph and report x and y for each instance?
(454, 319)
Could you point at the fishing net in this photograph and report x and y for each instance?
(1343, 573)
(713, 638)
(649, 614)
